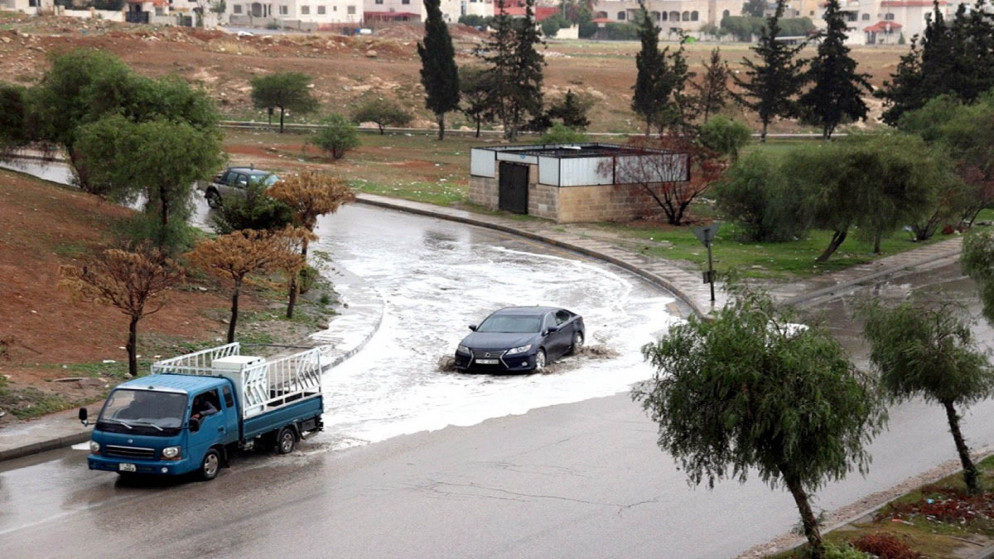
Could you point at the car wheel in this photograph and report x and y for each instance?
(213, 199)
(540, 360)
(577, 344)
(285, 441)
(210, 465)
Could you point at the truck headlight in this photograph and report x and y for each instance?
(463, 349)
(94, 447)
(171, 453)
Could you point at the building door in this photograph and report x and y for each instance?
(513, 194)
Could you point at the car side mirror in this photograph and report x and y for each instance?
(194, 424)
(83, 414)
(472, 327)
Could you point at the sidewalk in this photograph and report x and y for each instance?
(361, 311)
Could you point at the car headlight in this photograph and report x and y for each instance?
(171, 453)
(94, 447)
(463, 349)
(521, 349)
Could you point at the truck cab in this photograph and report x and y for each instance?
(152, 425)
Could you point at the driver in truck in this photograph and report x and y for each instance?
(202, 407)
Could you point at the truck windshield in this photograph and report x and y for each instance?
(143, 412)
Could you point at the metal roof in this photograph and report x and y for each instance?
(570, 151)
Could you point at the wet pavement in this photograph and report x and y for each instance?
(360, 318)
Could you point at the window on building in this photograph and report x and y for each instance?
(236, 9)
(662, 16)
(379, 2)
(889, 17)
(405, 2)
(284, 11)
(321, 10)
(865, 17)
(621, 16)
(686, 16)
(351, 10)
(305, 10)
(694, 16)
(674, 16)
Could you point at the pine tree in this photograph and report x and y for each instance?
(949, 58)
(838, 90)
(439, 74)
(776, 80)
(712, 90)
(648, 63)
(516, 69)
(660, 81)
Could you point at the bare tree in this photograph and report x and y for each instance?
(310, 195)
(237, 256)
(673, 170)
(130, 281)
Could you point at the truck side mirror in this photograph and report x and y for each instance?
(194, 424)
(83, 416)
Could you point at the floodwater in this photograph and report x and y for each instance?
(435, 278)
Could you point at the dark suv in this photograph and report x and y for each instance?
(236, 180)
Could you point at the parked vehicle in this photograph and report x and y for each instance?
(520, 339)
(235, 181)
(195, 410)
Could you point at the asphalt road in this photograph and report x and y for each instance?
(572, 480)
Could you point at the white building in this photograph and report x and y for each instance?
(296, 14)
(671, 15)
(414, 10)
(876, 22)
(28, 6)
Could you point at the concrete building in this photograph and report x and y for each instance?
(308, 15)
(671, 15)
(572, 183)
(28, 6)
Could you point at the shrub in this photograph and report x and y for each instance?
(885, 546)
(336, 136)
(755, 194)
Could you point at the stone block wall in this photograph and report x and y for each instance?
(571, 204)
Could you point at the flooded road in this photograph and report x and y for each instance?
(435, 278)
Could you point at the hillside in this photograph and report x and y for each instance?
(344, 69)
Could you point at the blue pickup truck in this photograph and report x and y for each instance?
(194, 410)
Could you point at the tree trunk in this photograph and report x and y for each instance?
(440, 117)
(234, 311)
(282, 111)
(838, 237)
(877, 239)
(762, 133)
(133, 346)
(479, 123)
(293, 296)
(969, 470)
(808, 520)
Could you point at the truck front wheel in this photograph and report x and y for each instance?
(286, 440)
(211, 464)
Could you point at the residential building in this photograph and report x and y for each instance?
(296, 14)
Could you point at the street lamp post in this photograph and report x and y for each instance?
(706, 234)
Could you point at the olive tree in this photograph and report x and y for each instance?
(930, 352)
(286, 91)
(751, 391)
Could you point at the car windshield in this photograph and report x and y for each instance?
(143, 412)
(268, 180)
(511, 324)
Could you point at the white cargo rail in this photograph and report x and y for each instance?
(262, 384)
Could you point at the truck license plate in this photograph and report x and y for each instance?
(487, 361)
(126, 468)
